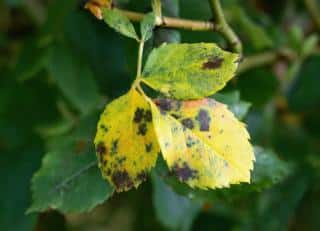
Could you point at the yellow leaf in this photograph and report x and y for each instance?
(202, 142)
(125, 142)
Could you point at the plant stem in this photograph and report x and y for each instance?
(171, 22)
(313, 8)
(140, 56)
(223, 27)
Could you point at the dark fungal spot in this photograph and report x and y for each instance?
(142, 176)
(213, 63)
(104, 127)
(121, 160)
(184, 173)
(101, 149)
(204, 120)
(138, 115)
(142, 129)
(121, 180)
(190, 142)
(148, 116)
(148, 147)
(164, 104)
(188, 123)
(114, 147)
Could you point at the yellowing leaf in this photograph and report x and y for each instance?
(202, 142)
(189, 71)
(125, 142)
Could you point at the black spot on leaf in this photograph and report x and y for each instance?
(148, 147)
(121, 180)
(142, 129)
(184, 173)
(114, 147)
(190, 142)
(148, 116)
(204, 120)
(188, 123)
(101, 149)
(138, 115)
(213, 63)
(142, 176)
(104, 127)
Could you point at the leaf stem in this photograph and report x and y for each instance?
(224, 28)
(140, 56)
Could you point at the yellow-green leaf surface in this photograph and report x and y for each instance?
(115, 19)
(202, 142)
(125, 142)
(189, 71)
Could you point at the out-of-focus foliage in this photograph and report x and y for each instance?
(59, 66)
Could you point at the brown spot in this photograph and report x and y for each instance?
(101, 149)
(184, 173)
(204, 120)
(213, 63)
(142, 176)
(138, 115)
(148, 147)
(148, 116)
(142, 129)
(188, 123)
(121, 180)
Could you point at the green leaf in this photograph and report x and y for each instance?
(147, 25)
(268, 169)
(173, 211)
(309, 45)
(232, 99)
(115, 19)
(189, 71)
(255, 33)
(74, 78)
(69, 179)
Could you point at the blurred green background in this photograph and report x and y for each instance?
(59, 66)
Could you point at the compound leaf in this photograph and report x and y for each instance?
(125, 141)
(189, 71)
(202, 142)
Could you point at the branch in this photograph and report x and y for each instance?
(223, 27)
(171, 22)
(313, 8)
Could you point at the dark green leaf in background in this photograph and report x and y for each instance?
(74, 78)
(69, 179)
(174, 211)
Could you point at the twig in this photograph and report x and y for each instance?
(313, 8)
(171, 22)
(223, 27)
